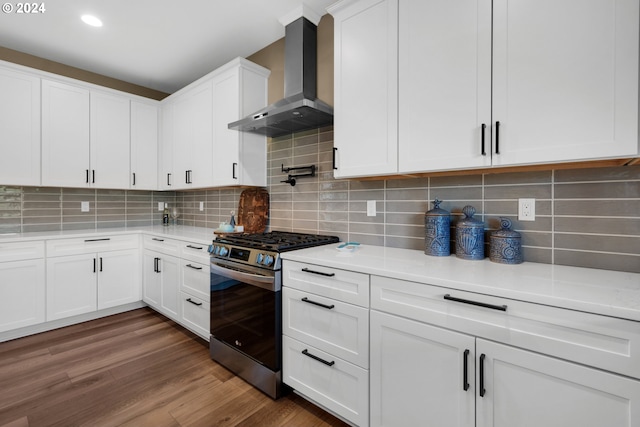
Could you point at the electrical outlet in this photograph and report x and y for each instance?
(84, 206)
(527, 209)
(371, 208)
(201, 206)
(160, 206)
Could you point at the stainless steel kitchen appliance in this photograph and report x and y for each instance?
(246, 303)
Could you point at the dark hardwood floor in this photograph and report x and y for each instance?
(133, 369)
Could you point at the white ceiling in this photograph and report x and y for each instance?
(159, 44)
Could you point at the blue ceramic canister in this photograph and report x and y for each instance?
(470, 236)
(437, 228)
(505, 244)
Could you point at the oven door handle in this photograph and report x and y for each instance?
(264, 282)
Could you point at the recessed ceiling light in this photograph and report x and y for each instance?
(91, 20)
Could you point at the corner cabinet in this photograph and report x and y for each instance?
(197, 148)
(483, 84)
(19, 128)
(462, 359)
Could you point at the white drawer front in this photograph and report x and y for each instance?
(162, 245)
(600, 341)
(18, 251)
(342, 285)
(195, 314)
(64, 247)
(343, 388)
(195, 279)
(333, 326)
(196, 252)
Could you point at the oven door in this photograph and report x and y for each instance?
(246, 306)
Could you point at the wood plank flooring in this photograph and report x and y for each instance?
(133, 369)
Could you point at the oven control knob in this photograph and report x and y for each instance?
(223, 251)
(259, 258)
(268, 260)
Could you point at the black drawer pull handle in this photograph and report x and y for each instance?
(306, 270)
(193, 302)
(157, 240)
(305, 299)
(195, 247)
(194, 267)
(306, 353)
(479, 304)
(97, 240)
(482, 390)
(465, 371)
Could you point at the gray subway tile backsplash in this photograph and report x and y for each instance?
(584, 217)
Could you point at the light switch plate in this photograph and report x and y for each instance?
(84, 206)
(160, 206)
(371, 208)
(201, 206)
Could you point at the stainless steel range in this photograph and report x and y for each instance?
(246, 303)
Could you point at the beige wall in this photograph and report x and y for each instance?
(27, 60)
(272, 57)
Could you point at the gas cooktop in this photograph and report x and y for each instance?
(277, 241)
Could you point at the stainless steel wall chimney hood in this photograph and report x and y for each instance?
(300, 109)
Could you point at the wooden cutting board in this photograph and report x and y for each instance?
(253, 210)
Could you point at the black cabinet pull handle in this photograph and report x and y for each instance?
(193, 302)
(484, 128)
(169, 179)
(186, 177)
(93, 176)
(329, 307)
(306, 353)
(195, 247)
(97, 240)
(155, 265)
(94, 265)
(465, 371)
(134, 178)
(87, 175)
(158, 265)
(477, 303)
(100, 263)
(194, 267)
(334, 158)
(497, 137)
(306, 270)
(233, 171)
(157, 240)
(482, 390)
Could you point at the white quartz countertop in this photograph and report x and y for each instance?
(195, 234)
(610, 293)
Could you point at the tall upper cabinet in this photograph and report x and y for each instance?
(482, 83)
(19, 128)
(197, 150)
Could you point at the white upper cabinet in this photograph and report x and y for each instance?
(65, 135)
(144, 145)
(239, 158)
(110, 136)
(565, 80)
(19, 128)
(538, 82)
(165, 148)
(192, 137)
(365, 87)
(444, 84)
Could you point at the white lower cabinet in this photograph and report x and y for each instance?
(176, 281)
(435, 360)
(526, 389)
(420, 372)
(325, 357)
(329, 381)
(22, 285)
(160, 282)
(89, 280)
